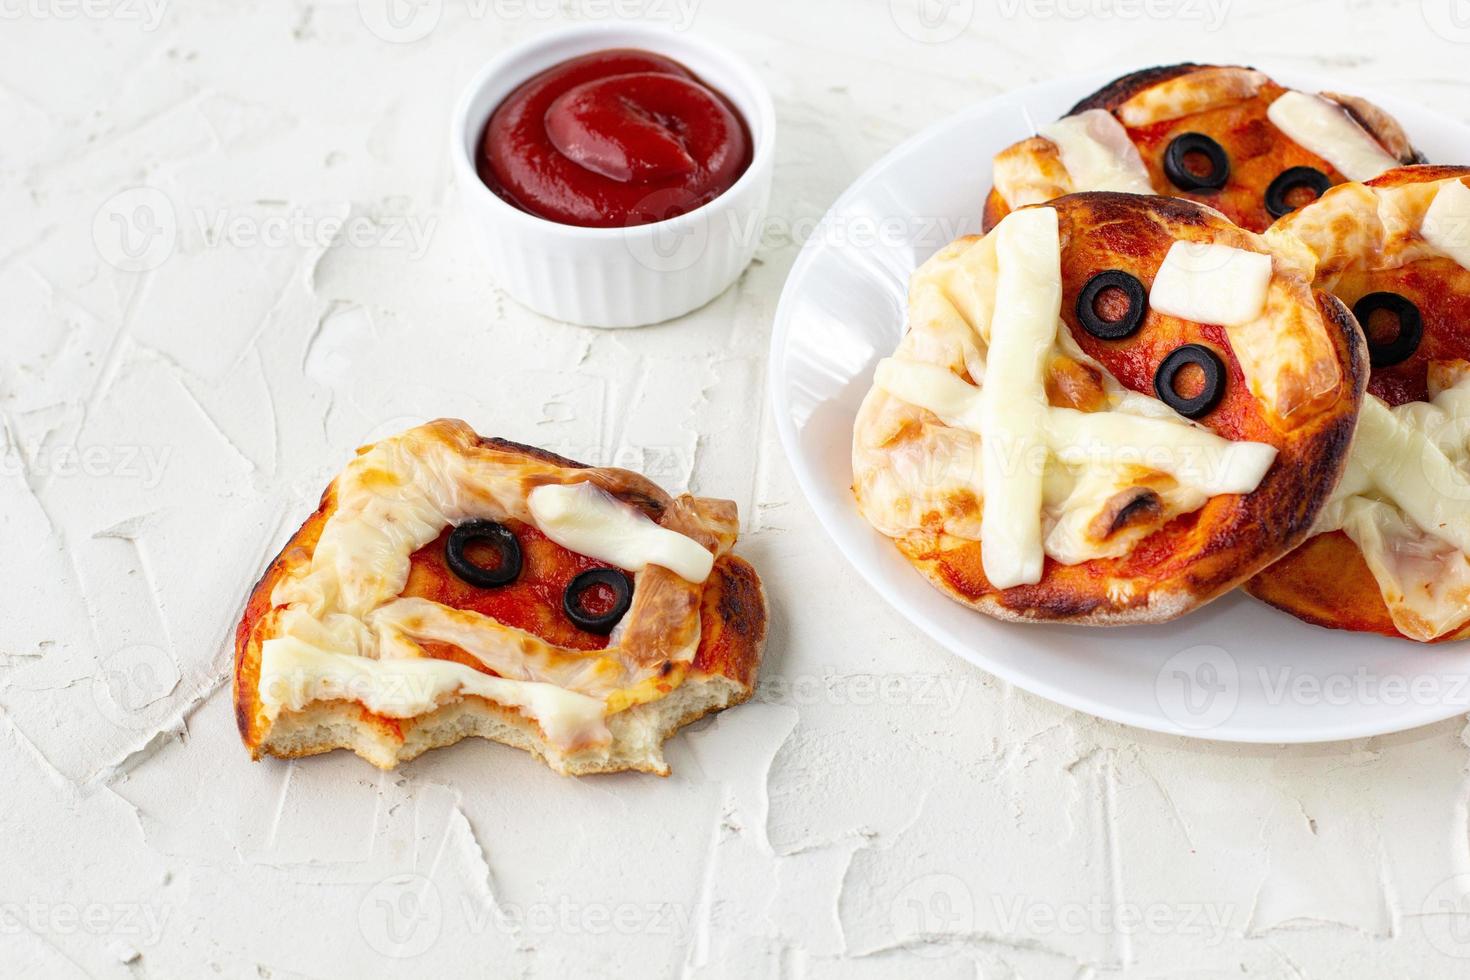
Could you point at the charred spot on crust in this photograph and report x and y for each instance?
(505, 445)
(1121, 89)
(740, 597)
(1417, 174)
(1124, 509)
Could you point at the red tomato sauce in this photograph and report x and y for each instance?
(611, 139)
(533, 602)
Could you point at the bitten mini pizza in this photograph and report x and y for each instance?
(1393, 555)
(1108, 410)
(451, 585)
(1224, 136)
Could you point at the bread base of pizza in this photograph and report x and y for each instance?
(1056, 354)
(681, 652)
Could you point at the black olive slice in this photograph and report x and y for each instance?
(1210, 392)
(500, 537)
(1131, 319)
(573, 599)
(1387, 353)
(1288, 181)
(1176, 163)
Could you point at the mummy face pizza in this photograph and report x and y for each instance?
(1393, 555)
(1108, 410)
(1224, 136)
(451, 585)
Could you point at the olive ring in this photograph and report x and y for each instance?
(1210, 393)
(490, 532)
(1411, 328)
(1129, 322)
(1288, 181)
(1176, 166)
(571, 599)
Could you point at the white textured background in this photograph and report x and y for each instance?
(292, 276)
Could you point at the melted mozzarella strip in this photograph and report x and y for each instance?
(1037, 459)
(1191, 454)
(1446, 225)
(1405, 502)
(1211, 283)
(1327, 130)
(583, 518)
(1097, 153)
(294, 673)
(1028, 301)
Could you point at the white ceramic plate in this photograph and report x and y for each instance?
(1235, 670)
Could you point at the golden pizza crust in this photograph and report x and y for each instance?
(731, 624)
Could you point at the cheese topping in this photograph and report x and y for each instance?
(1098, 154)
(582, 518)
(1051, 481)
(1446, 225)
(1405, 502)
(1195, 91)
(341, 624)
(1327, 130)
(1211, 283)
(1028, 300)
(293, 674)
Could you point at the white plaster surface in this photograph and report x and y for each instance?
(299, 279)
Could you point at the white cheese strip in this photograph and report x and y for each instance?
(1191, 454)
(931, 387)
(583, 518)
(1013, 406)
(1414, 473)
(1327, 130)
(1405, 502)
(1446, 225)
(294, 673)
(1098, 154)
(1424, 582)
(1211, 283)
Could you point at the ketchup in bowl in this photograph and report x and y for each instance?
(611, 139)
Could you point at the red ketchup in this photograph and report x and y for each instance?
(611, 139)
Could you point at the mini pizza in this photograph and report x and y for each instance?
(1109, 410)
(451, 585)
(1393, 552)
(1224, 136)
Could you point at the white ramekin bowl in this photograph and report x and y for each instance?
(617, 277)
